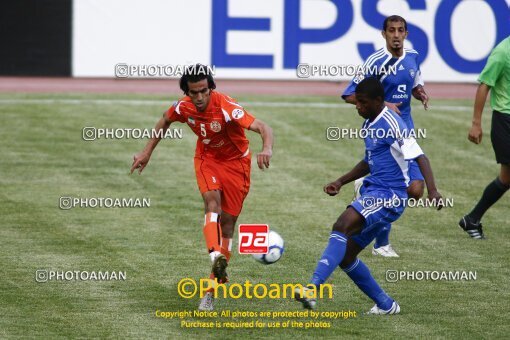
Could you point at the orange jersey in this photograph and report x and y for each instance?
(220, 128)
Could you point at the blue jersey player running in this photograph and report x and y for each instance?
(398, 69)
(381, 202)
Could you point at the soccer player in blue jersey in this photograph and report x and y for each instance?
(382, 197)
(398, 69)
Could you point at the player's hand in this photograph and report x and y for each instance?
(263, 159)
(475, 134)
(140, 161)
(420, 94)
(436, 199)
(393, 106)
(424, 100)
(332, 188)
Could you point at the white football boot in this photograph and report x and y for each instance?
(207, 302)
(385, 251)
(395, 309)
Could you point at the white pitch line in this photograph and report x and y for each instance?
(138, 102)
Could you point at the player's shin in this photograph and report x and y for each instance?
(331, 258)
(361, 276)
(212, 234)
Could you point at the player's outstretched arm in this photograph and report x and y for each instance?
(140, 160)
(475, 133)
(266, 133)
(420, 94)
(426, 170)
(361, 169)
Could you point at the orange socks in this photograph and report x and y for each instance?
(212, 234)
(216, 244)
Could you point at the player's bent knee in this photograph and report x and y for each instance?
(213, 207)
(347, 261)
(340, 226)
(349, 223)
(212, 201)
(344, 227)
(504, 175)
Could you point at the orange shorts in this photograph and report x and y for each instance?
(231, 177)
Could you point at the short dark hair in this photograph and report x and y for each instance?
(371, 87)
(194, 74)
(394, 18)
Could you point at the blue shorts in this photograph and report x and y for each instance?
(379, 207)
(414, 171)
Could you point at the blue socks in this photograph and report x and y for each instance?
(357, 271)
(331, 258)
(383, 238)
(360, 274)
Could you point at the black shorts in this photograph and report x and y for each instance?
(500, 136)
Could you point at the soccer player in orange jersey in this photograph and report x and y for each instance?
(222, 159)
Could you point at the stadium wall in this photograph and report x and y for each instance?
(35, 37)
(263, 39)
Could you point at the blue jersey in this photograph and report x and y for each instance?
(398, 76)
(388, 148)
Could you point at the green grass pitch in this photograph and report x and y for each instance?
(44, 157)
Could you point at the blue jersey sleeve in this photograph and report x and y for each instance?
(397, 133)
(349, 89)
(365, 72)
(418, 79)
(394, 127)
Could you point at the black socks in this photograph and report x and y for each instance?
(491, 195)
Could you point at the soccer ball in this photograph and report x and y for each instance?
(275, 251)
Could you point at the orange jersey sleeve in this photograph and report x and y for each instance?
(235, 112)
(173, 114)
